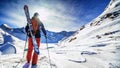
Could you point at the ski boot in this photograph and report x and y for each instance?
(34, 66)
(26, 65)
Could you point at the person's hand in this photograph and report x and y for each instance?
(28, 33)
(46, 36)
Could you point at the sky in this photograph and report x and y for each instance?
(56, 15)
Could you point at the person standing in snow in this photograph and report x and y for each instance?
(37, 27)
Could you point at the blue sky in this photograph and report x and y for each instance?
(56, 15)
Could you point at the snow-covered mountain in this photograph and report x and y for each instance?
(8, 37)
(13, 43)
(6, 43)
(16, 32)
(99, 40)
(105, 27)
(53, 37)
(94, 45)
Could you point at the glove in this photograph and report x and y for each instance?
(45, 36)
(28, 33)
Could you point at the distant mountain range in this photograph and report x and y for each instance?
(53, 37)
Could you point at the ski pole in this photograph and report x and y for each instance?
(48, 53)
(23, 53)
(25, 47)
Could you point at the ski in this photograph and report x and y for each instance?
(36, 49)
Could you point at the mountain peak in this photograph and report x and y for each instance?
(99, 28)
(5, 26)
(112, 4)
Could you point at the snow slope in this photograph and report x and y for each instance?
(99, 40)
(6, 44)
(7, 48)
(94, 45)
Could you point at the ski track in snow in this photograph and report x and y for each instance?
(74, 57)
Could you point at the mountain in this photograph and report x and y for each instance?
(94, 45)
(6, 42)
(99, 40)
(8, 37)
(53, 37)
(105, 27)
(17, 32)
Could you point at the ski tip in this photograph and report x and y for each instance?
(25, 7)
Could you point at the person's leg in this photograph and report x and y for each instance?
(35, 56)
(29, 53)
(30, 49)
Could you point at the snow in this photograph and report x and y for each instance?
(97, 45)
(8, 48)
(5, 25)
(98, 40)
(1, 38)
(0, 52)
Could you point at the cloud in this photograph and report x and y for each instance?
(14, 17)
(57, 15)
(55, 20)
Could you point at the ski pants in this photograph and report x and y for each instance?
(29, 56)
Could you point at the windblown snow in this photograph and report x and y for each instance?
(94, 45)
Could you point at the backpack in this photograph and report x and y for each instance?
(34, 25)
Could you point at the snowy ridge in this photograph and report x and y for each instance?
(98, 39)
(6, 26)
(103, 24)
(6, 43)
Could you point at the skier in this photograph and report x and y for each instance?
(37, 27)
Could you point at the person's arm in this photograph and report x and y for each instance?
(42, 27)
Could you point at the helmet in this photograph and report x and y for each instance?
(36, 14)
